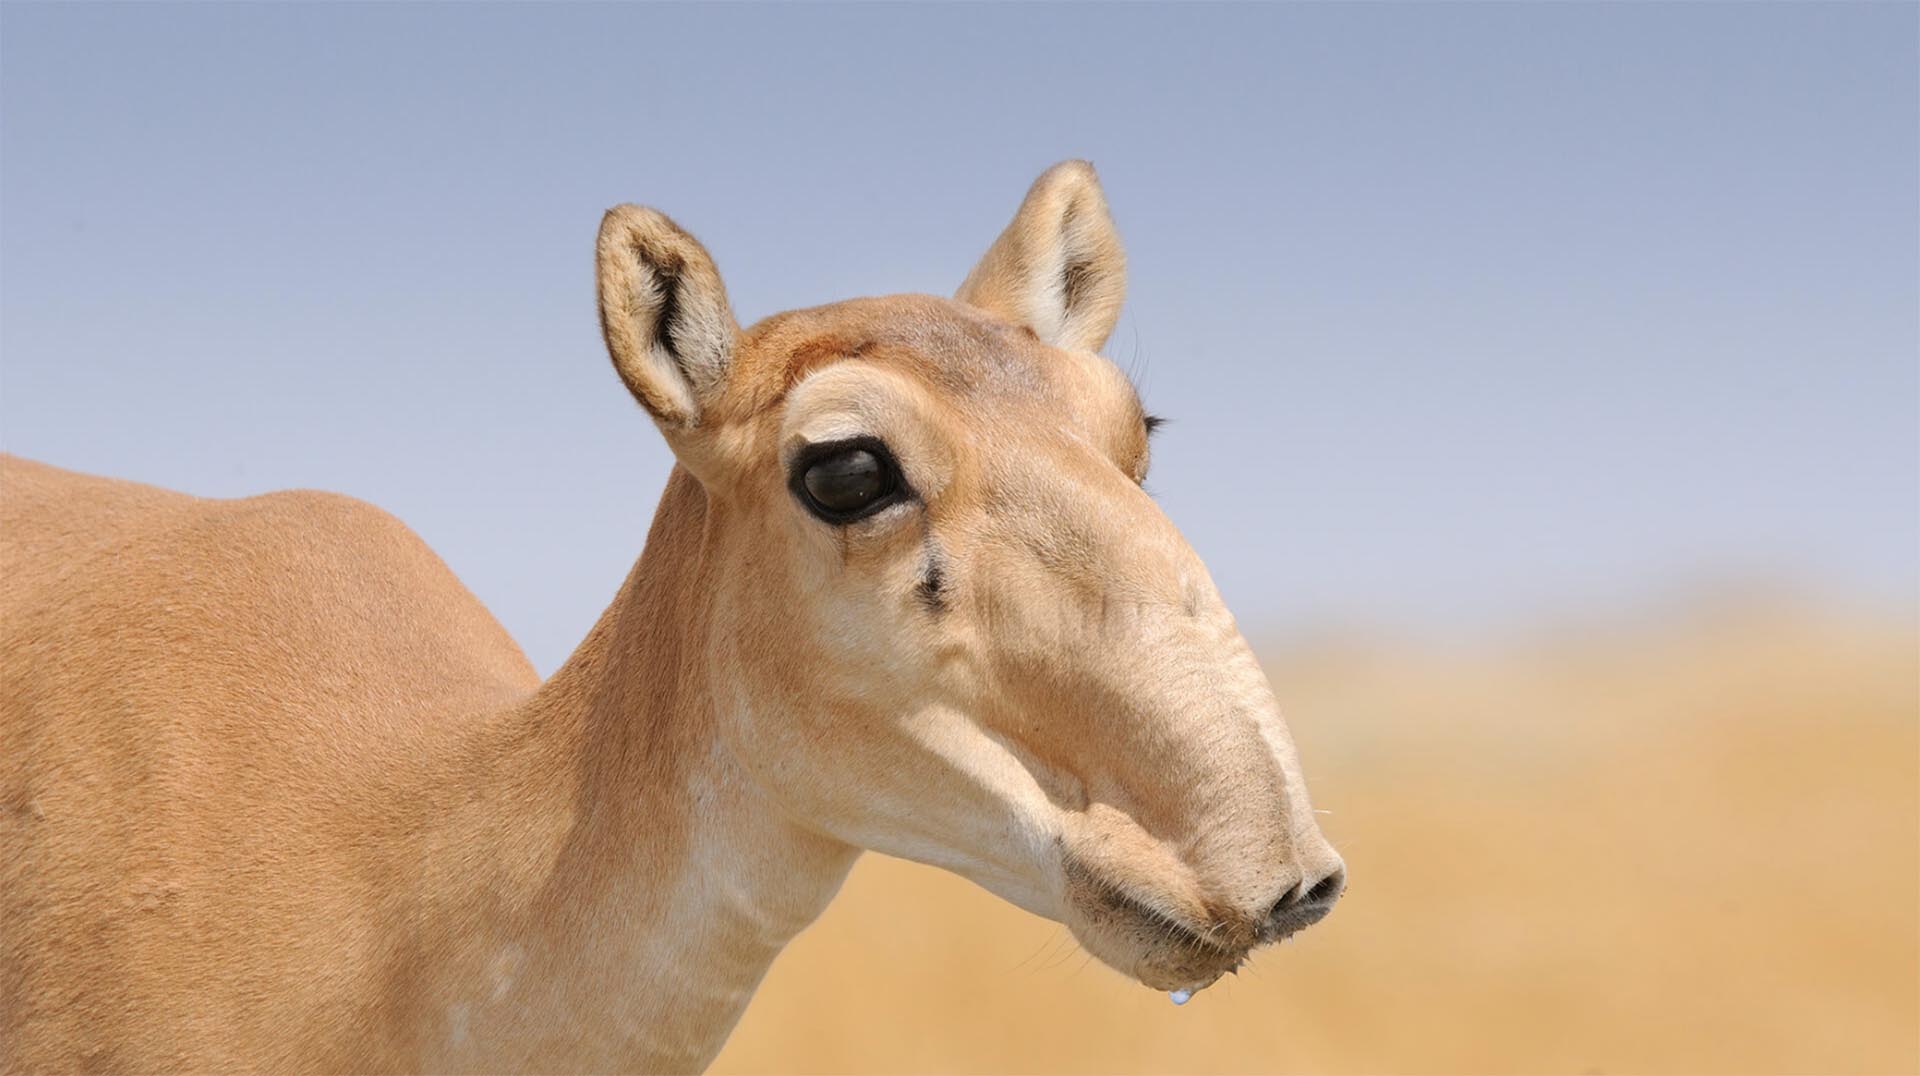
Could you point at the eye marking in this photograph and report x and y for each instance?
(844, 481)
(933, 581)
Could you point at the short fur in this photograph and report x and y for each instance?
(278, 794)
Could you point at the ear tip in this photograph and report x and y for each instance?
(1070, 181)
(1076, 171)
(625, 211)
(628, 220)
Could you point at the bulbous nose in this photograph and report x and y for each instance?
(1307, 903)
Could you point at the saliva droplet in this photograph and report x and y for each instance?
(1179, 997)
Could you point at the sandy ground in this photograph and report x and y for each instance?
(1686, 847)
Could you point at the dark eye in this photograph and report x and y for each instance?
(846, 480)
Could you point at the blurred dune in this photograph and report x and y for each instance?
(1685, 846)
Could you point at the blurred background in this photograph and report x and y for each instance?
(1545, 398)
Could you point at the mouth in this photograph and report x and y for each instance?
(1173, 930)
(1161, 950)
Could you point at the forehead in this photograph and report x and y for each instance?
(965, 358)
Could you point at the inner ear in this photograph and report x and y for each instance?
(664, 312)
(1058, 268)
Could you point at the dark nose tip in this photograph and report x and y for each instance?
(1306, 904)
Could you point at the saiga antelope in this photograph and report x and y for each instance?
(277, 793)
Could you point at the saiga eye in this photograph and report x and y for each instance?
(844, 481)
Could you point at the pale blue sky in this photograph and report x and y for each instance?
(1461, 313)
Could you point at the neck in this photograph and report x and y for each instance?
(647, 883)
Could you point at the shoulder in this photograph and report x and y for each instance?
(316, 584)
(354, 575)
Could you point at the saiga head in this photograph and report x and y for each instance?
(949, 624)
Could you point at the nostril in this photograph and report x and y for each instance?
(1306, 903)
(1327, 890)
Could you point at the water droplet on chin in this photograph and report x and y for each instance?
(1179, 997)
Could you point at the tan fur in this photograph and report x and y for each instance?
(277, 793)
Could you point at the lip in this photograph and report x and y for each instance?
(1186, 959)
(1175, 930)
(1160, 950)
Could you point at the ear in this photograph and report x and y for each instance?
(1058, 268)
(664, 313)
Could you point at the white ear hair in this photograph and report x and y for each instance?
(1058, 269)
(664, 313)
